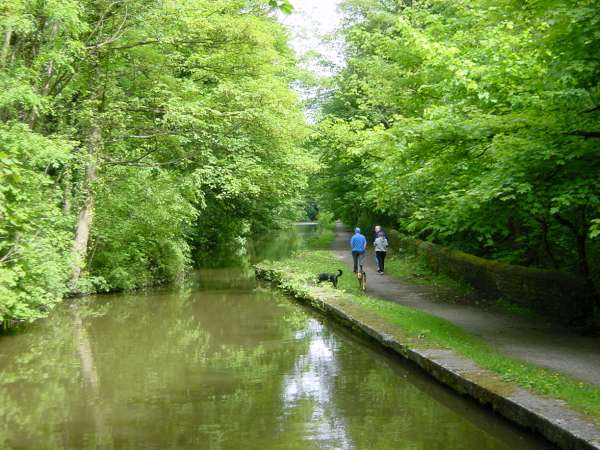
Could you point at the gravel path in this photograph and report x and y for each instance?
(533, 340)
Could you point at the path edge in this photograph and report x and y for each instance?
(550, 418)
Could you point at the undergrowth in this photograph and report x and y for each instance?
(325, 233)
(413, 269)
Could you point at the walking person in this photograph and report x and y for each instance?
(358, 243)
(378, 229)
(381, 245)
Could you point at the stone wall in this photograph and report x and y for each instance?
(554, 293)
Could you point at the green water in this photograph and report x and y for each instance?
(221, 363)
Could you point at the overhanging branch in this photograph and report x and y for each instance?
(585, 134)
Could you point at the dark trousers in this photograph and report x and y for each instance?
(381, 260)
(359, 260)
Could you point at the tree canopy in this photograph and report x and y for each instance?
(135, 136)
(470, 123)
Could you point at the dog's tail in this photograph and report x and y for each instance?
(340, 273)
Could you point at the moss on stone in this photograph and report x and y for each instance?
(558, 294)
(491, 383)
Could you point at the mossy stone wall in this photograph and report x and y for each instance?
(550, 292)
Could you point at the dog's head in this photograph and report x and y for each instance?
(359, 275)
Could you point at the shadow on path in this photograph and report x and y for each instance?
(533, 340)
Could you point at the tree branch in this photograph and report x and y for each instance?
(101, 21)
(138, 161)
(158, 40)
(118, 34)
(566, 223)
(585, 134)
(595, 108)
(145, 136)
(130, 161)
(9, 255)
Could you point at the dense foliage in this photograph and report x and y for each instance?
(471, 123)
(134, 134)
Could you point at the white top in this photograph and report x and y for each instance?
(381, 244)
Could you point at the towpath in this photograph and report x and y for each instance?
(533, 340)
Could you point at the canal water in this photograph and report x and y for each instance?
(222, 363)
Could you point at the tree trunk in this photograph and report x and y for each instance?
(547, 247)
(5, 47)
(85, 216)
(50, 66)
(584, 266)
(67, 196)
(89, 374)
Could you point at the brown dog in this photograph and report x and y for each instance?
(361, 276)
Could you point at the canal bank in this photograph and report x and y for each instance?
(530, 337)
(219, 362)
(551, 418)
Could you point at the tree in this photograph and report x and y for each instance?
(477, 128)
(137, 114)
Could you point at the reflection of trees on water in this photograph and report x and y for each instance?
(273, 245)
(171, 368)
(347, 397)
(240, 278)
(311, 383)
(192, 369)
(38, 375)
(384, 409)
(89, 375)
(281, 244)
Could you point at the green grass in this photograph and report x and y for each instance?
(414, 270)
(509, 307)
(325, 233)
(323, 239)
(426, 330)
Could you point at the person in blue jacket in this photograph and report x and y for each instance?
(358, 243)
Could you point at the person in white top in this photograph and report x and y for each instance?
(381, 245)
(378, 230)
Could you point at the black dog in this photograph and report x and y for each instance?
(330, 277)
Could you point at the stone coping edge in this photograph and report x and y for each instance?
(550, 418)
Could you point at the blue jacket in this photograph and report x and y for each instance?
(358, 243)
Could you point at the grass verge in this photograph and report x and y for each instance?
(325, 233)
(414, 270)
(424, 330)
